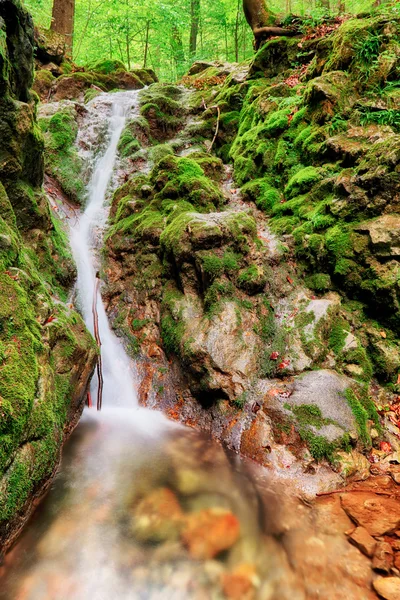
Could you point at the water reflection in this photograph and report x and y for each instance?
(141, 508)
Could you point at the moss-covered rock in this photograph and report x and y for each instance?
(46, 354)
(62, 161)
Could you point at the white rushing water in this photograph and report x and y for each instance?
(119, 384)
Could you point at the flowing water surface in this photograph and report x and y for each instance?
(111, 525)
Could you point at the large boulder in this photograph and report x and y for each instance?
(50, 46)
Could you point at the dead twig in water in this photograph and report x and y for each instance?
(98, 340)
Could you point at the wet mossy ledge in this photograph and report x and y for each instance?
(58, 78)
(46, 354)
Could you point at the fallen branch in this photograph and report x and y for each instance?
(274, 31)
(217, 127)
(347, 491)
(98, 340)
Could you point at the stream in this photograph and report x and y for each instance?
(141, 508)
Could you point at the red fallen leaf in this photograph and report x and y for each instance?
(282, 201)
(313, 297)
(290, 280)
(14, 277)
(49, 319)
(385, 447)
(274, 355)
(285, 363)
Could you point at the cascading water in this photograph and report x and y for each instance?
(91, 538)
(119, 386)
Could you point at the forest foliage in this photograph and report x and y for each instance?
(159, 33)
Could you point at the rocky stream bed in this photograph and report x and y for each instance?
(250, 271)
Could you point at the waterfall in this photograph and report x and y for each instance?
(119, 384)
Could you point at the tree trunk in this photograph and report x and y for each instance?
(237, 32)
(262, 22)
(177, 51)
(146, 44)
(194, 25)
(63, 21)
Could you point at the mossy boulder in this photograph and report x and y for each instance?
(46, 354)
(62, 161)
(49, 46)
(109, 66)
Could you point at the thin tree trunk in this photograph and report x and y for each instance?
(226, 42)
(237, 32)
(177, 51)
(127, 46)
(194, 25)
(146, 44)
(62, 21)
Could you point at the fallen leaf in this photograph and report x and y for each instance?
(285, 363)
(385, 447)
(383, 334)
(290, 280)
(274, 355)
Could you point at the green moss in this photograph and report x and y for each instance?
(109, 66)
(337, 337)
(361, 416)
(302, 181)
(319, 282)
(171, 333)
(212, 265)
(252, 279)
(128, 144)
(219, 291)
(360, 357)
(231, 261)
(321, 448)
(159, 152)
(62, 159)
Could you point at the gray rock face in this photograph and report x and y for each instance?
(325, 389)
(384, 235)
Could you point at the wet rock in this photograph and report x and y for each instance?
(353, 464)
(240, 584)
(209, 532)
(363, 541)
(330, 516)
(378, 514)
(383, 558)
(158, 517)
(387, 587)
(324, 390)
(215, 361)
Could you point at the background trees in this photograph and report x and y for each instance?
(168, 35)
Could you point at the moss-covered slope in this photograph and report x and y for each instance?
(46, 355)
(296, 273)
